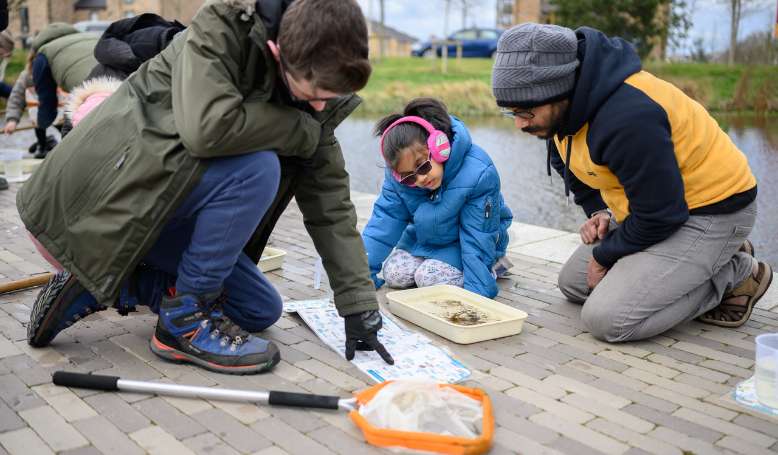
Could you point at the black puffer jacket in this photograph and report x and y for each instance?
(127, 43)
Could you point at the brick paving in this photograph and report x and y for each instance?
(555, 388)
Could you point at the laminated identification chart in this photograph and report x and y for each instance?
(415, 357)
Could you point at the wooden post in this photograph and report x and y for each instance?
(444, 58)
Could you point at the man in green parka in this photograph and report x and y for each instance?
(166, 193)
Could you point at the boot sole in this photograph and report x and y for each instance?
(174, 355)
(45, 309)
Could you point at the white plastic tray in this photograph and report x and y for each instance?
(272, 259)
(461, 316)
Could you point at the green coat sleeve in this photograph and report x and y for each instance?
(212, 116)
(324, 199)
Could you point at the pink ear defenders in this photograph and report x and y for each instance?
(437, 142)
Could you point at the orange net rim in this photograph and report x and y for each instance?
(428, 441)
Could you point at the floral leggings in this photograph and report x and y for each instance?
(403, 270)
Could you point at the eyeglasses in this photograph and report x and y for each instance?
(423, 169)
(525, 114)
(287, 79)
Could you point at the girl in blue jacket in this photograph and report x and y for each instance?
(440, 207)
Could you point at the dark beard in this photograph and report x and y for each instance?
(550, 131)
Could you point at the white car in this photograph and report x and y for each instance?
(92, 26)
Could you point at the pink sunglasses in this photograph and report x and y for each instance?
(423, 169)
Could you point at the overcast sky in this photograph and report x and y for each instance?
(710, 18)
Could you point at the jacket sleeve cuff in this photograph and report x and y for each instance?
(355, 302)
(602, 258)
(593, 204)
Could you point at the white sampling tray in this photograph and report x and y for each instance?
(461, 316)
(272, 259)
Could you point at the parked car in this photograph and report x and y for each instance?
(92, 26)
(476, 42)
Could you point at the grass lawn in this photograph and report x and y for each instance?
(466, 85)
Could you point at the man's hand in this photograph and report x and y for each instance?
(595, 228)
(10, 127)
(362, 334)
(595, 273)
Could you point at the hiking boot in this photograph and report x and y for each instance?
(63, 302)
(194, 329)
(60, 304)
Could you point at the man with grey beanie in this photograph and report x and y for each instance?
(670, 199)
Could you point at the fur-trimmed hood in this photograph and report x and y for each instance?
(88, 96)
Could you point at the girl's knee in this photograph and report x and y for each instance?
(399, 268)
(432, 272)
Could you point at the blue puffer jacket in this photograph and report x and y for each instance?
(463, 223)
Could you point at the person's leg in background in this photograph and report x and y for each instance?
(46, 88)
(5, 90)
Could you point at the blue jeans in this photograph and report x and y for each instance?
(202, 244)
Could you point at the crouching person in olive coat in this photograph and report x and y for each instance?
(164, 194)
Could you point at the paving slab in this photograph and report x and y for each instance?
(555, 388)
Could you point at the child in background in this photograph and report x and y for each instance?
(440, 207)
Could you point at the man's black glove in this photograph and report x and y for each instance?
(362, 334)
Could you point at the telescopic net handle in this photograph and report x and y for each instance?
(86, 381)
(303, 400)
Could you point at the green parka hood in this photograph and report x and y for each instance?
(50, 33)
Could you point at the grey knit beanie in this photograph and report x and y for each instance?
(534, 65)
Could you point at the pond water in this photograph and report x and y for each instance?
(521, 161)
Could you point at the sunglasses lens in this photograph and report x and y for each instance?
(408, 180)
(425, 168)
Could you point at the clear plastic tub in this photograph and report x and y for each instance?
(766, 378)
(272, 259)
(12, 164)
(461, 316)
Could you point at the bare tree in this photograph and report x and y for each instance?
(465, 7)
(381, 37)
(445, 17)
(736, 13)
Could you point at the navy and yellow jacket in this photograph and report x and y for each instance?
(639, 146)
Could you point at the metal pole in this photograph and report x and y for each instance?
(272, 397)
(190, 391)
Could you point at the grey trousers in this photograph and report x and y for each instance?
(649, 292)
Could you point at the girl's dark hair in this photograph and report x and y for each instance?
(407, 134)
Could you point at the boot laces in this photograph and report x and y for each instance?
(223, 326)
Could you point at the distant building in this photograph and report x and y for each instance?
(512, 12)
(34, 15)
(397, 43)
